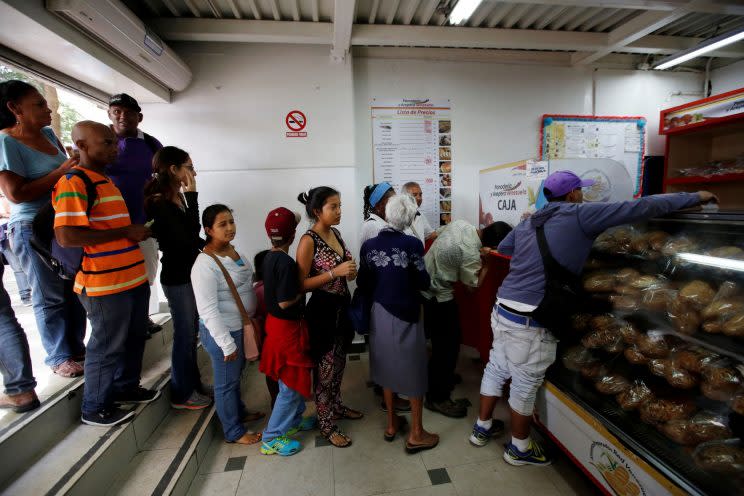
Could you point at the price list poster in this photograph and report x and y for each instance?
(412, 141)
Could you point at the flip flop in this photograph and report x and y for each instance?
(415, 448)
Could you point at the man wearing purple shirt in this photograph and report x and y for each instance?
(131, 170)
(523, 349)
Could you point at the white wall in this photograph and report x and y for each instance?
(231, 121)
(727, 78)
(496, 109)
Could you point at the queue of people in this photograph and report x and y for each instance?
(123, 197)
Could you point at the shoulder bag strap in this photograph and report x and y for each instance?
(244, 317)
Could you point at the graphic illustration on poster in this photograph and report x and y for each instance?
(615, 470)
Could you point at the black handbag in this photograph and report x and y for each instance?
(564, 293)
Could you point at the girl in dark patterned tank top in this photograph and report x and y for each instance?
(325, 266)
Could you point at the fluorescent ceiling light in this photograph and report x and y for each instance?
(704, 47)
(463, 10)
(721, 263)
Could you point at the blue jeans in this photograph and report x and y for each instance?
(185, 376)
(15, 360)
(59, 316)
(24, 289)
(287, 413)
(113, 362)
(230, 408)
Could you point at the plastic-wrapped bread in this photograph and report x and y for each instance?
(576, 357)
(660, 410)
(629, 332)
(646, 282)
(679, 378)
(636, 395)
(720, 381)
(709, 426)
(730, 252)
(697, 294)
(616, 346)
(657, 299)
(694, 360)
(659, 366)
(599, 282)
(653, 346)
(723, 309)
(611, 384)
(599, 339)
(683, 317)
(681, 244)
(625, 303)
(604, 322)
(634, 356)
(624, 276)
(734, 326)
(726, 457)
(657, 239)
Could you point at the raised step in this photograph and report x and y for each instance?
(40, 436)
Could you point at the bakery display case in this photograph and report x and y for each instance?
(705, 146)
(651, 374)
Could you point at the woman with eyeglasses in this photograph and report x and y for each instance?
(171, 206)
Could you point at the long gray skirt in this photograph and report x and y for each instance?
(397, 355)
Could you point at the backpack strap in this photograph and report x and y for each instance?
(151, 143)
(91, 188)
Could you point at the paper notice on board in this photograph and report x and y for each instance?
(537, 170)
(412, 141)
(632, 138)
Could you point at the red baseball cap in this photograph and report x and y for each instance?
(281, 223)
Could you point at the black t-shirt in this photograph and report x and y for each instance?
(281, 283)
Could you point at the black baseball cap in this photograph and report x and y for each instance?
(124, 100)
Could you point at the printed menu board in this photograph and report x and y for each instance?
(618, 138)
(412, 141)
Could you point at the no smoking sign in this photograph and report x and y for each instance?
(296, 122)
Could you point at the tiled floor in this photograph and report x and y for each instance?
(372, 466)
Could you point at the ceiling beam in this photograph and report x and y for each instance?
(322, 33)
(393, 10)
(173, 10)
(343, 21)
(734, 7)
(633, 30)
(316, 14)
(429, 10)
(235, 10)
(254, 9)
(412, 8)
(243, 31)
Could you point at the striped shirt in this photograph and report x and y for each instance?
(108, 268)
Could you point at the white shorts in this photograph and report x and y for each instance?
(521, 353)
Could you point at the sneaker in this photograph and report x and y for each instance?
(282, 446)
(448, 408)
(195, 402)
(306, 424)
(137, 395)
(481, 435)
(533, 456)
(21, 402)
(68, 369)
(108, 418)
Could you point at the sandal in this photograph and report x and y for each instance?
(338, 438)
(252, 416)
(402, 424)
(415, 448)
(349, 414)
(248, 438)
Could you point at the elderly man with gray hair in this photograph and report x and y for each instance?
(391, 275)
(420, 225)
